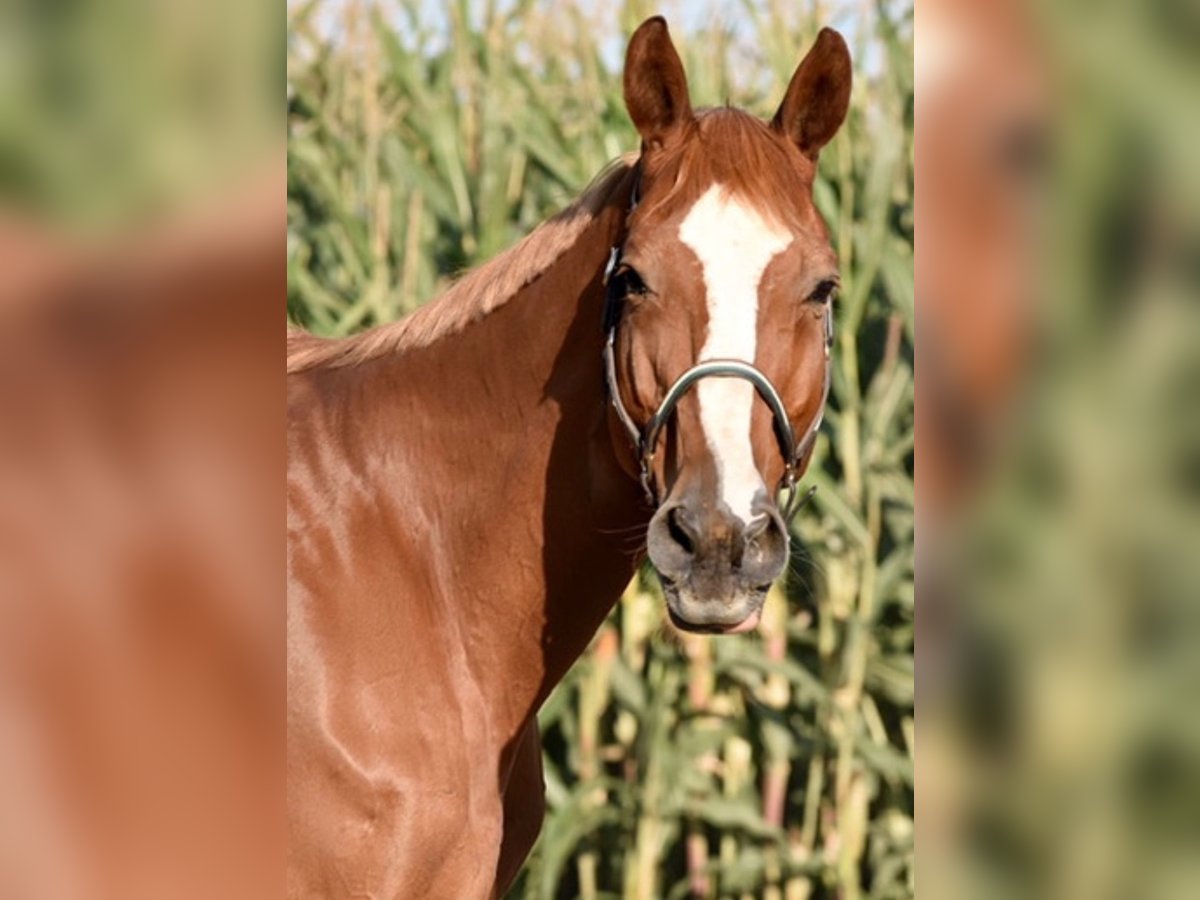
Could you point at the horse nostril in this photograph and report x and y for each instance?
(682, 530)
(764, 549)
(673, 541)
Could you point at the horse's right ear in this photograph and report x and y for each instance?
(818, 97)
(656, 91)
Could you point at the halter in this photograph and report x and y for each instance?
(645, 438)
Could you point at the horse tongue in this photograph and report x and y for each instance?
(747, 624)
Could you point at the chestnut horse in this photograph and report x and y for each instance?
(463, 484)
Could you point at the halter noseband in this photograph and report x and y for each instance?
(645, 438)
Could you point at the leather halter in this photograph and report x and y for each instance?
(645, 438)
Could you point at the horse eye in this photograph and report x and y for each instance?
(824, 292)
(629, 282)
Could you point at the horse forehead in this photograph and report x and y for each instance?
(733, 240)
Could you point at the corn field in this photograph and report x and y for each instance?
(423, 139)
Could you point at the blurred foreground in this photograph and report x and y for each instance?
(141, 413)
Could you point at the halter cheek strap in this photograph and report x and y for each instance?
(645, 439)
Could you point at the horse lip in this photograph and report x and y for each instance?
(690, 627)
(747, 623)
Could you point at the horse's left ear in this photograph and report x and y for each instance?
(819, 95)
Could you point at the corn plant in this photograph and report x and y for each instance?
(776, 765)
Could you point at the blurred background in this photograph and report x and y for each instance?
(423, 139)
(131, 112)
(1059, 207)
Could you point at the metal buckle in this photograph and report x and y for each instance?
(796, 501)
(646, 463)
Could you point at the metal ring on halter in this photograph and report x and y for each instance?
(645, 439)
(736, 368)
(722, 368)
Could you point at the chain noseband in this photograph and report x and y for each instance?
(645, 438)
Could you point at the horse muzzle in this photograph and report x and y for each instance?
(715, 568)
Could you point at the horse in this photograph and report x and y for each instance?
(463, 483)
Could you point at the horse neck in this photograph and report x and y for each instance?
(534, 528)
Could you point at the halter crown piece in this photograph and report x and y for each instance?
(645, 438)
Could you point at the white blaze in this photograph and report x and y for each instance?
(734, 244)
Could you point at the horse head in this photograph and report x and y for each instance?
(720, 317)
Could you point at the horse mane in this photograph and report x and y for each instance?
(473, 296)
(723, 145)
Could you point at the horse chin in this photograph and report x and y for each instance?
(696, 616)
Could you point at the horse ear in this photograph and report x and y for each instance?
(819, 95)
(656, 91)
